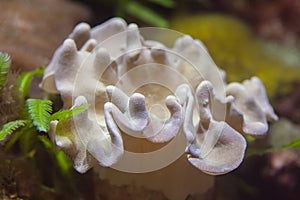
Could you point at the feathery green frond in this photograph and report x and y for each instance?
(9, 127)
(4, 68)
(39, 111)
(66, 114)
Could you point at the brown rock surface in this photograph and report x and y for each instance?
(31, 30)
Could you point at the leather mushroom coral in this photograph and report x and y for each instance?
(251, 100)
(213, 147)
(133, 117)
(86, 146)
(99, 66)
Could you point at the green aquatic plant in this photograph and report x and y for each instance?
(10, 100)
(144, 11)
(293, 144)
(29, 133)
(66, 114)
(139, 11)
(39, 111)
(31, 116)
(290, 138)
(254, 150)
(4, 68)
(25, 79)
(234, 48)
(10, 127)
(38, 117)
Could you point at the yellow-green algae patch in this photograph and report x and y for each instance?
(235, 49)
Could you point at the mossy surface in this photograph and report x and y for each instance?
(235, 49)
